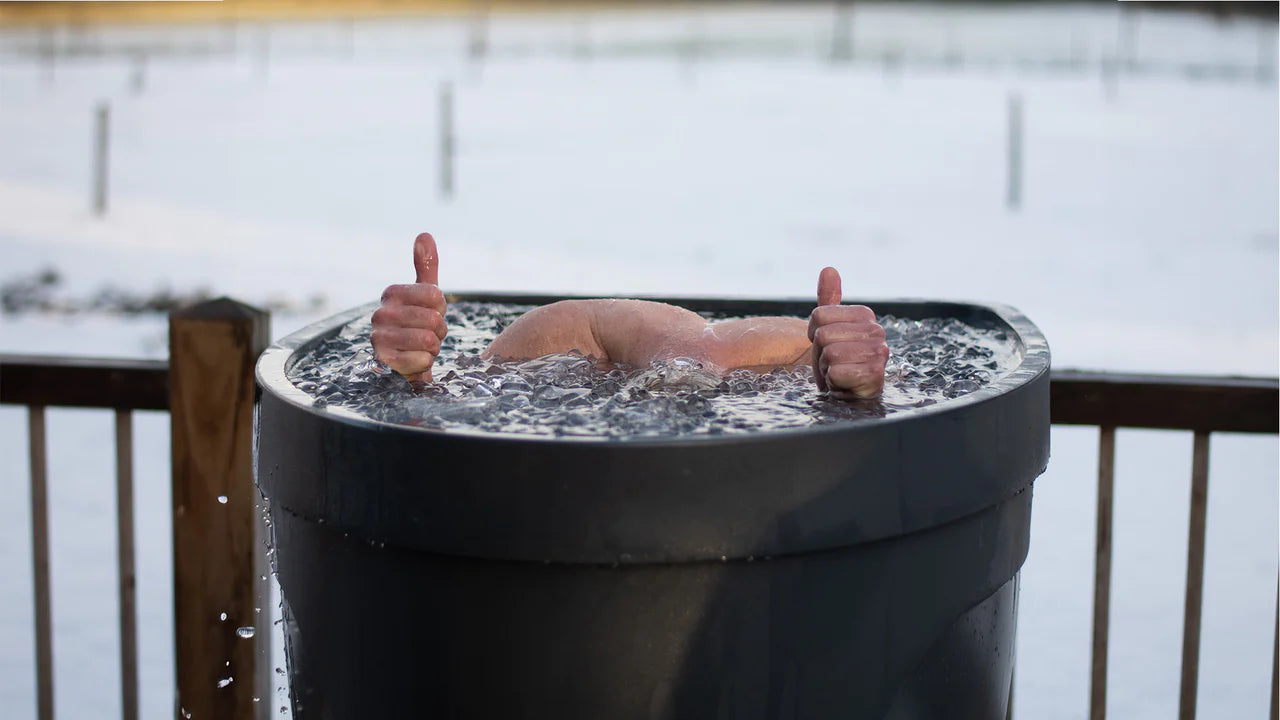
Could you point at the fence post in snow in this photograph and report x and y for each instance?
(478, 39)
(1127, 43)
(264, 50)
(101, 136)
(1266, 53)
(446, 140)
(842, 32)
(582, 39)
(139, 79)
(49, 51)
(1014, 196)
(1110, 75)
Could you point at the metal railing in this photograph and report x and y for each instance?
(1203, 405)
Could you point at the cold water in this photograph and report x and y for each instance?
(931, 361)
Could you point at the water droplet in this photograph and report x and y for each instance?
(245, 632)
(223, 683)
(222, 499)
(222, 617)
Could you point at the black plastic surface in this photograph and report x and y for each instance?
(686, 499)
(378, 632)
(863, 570)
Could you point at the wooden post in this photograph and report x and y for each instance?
(125, 559)
(690, 49)
(264, 50)
(218, 556)
(139, 81)
(446, 140)
(1110, 76)
(1266, 53)
(1014, 189)
(582, 35)
(478, 37)
(101, 137)
(842, 32)
(1127, 43)
(49, 51)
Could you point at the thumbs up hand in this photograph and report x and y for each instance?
(849, 351)
(409, 326)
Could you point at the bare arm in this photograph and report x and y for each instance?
(846, 346)
(638, 332)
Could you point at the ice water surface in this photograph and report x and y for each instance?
(931, 361)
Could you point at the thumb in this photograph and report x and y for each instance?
(829, 286)
(426, 259)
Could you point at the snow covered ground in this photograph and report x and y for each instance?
(705, 152)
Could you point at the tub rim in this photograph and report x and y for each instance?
(271, 370)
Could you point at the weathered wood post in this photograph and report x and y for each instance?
(49, 53)
(1266, 53)
(446, 140)
(478, 31)
(101, 155)
(219, 559)
(263, 54)
(139, 78)
(1014, 177)
(842, 32)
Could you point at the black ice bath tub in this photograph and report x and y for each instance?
(862, 570)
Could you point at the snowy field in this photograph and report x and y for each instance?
(704, 152)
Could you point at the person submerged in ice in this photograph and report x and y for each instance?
(843, 343)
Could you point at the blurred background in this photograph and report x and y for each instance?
(1110, 169)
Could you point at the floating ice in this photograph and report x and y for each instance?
(931, 360)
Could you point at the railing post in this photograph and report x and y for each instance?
(125, 558)
(1275, 662)
(1195, 577)
(218, 557)
(40, 561)
(1102, 573)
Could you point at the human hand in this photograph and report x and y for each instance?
(408, 327)
(849, 351)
